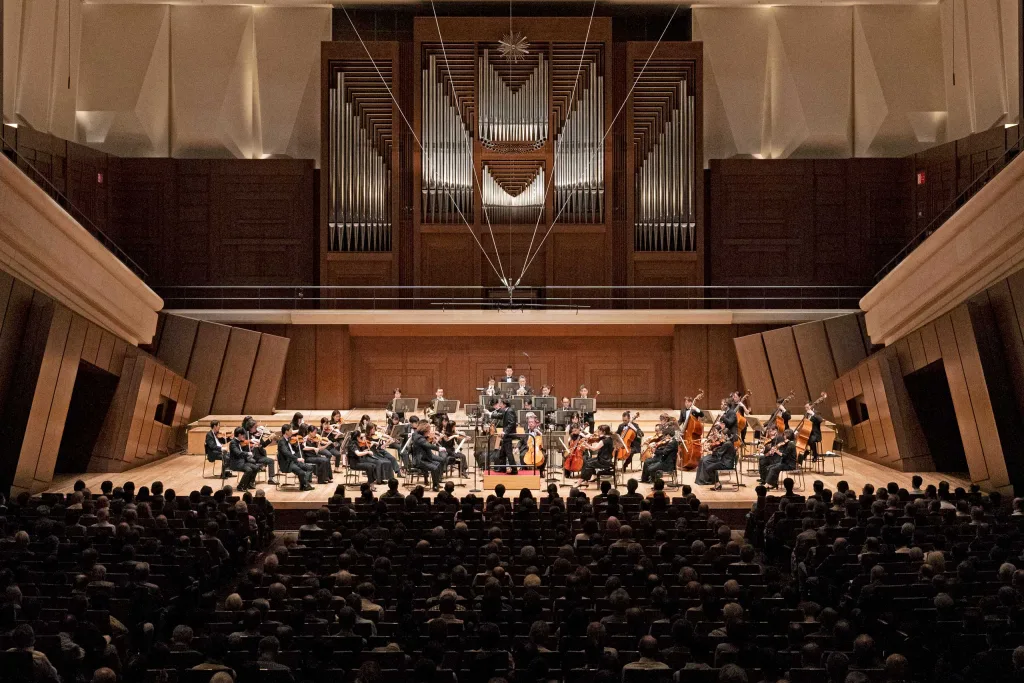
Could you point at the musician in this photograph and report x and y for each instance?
(239, 460)
(587, 417)
(314, 454)
(782, 413)
(259, 439)
(216, 447)
(769, 454)
(576, 420)
(740, 408)
(510, 376)
(575, 434)
(786, 462)
(331, 440)
(431, 409)
(504, 417)
(451, 441)
(360, 458)
(390, 412)
(423, 453)
(723, 457)
(545, 390)
(297, 421)
(524, 389)
(688, 409)
(288, 459)
(634, 448)
(604, 447)
(664, 458)
(566, 407)
(389, 467)
(492, 387)
(815, 438)
(532, 430)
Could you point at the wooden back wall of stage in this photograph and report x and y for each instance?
(340, 366)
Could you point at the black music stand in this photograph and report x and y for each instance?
(446, 407)
(584, 405)
(406, 406)
(507, 388)
(475, 413)
(552, 442)
(563, 417)
(545, 403)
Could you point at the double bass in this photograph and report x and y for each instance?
(803, 429)
(628, 436)
(690, 447)
(741, 420)
(777, 415)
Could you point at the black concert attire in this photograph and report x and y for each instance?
(815, 437)
(449, 442)
(765, 462)
(506, 420)
(684, 415)
(527, 390)
(288, 463)
(785, 415)
(663, 460)
(524, 445)
(589, 419)
(787, 461)
(260, 457)
(634, 448)
(315, 456)
(334, 447)
(723, 457)
(391, 409)
(424, 458)
(215, 451)
(362, 463)
(386, 462)
(239, 461)
(601, 462)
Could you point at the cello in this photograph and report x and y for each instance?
(534, 455)
(573, 460)
(690, 447)
(628, 436)
(803, 429)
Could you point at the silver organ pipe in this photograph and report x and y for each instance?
(579, 161)
(359, 216)
(447, 159)
(518, 117)
(665, 205)
(503, 207)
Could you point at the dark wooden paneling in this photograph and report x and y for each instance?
(845, 339)
(205, 364)
(961, 394)
(300, 370)
(756, 373)
(333, 357)
(176, 342)
(689, 363)
(57, 414)
(235, 371)
(815, 357)
(267, 373)
(784, 360)
(723, 370)
(16, 313)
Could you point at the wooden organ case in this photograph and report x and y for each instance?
(492, 169)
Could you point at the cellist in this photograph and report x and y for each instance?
(532, 441)
(691, 433)
(628, 423)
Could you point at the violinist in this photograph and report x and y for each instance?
(535, 436)
(216, 447)
(451, 440)
(587, 417)
(769, 454)
(387, 463)
(664, 458)
(239, 459)
(389, 413)
(288, 459)
(634, 448)
(336, 436)
(314, 454)
(360, 458)
(259, 439)
(330, 438)
(723, 457)
(787, 460)
(600, 450)
(505, 418)
(424, 452)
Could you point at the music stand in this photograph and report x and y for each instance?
(563, 417)
(584, 405)
(508, 388)
(617, 443)
(552, 442)
(521, 415)
(474, 410)
(406, 406)
(446, 407)
(545, 403)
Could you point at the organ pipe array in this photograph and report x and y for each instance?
(360, 203)
(447, 187)
(505, 207)
(579, 157)
(513, 117)
(665, 206)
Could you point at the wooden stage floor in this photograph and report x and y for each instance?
(184, 473)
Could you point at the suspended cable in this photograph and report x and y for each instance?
(418, 143)
(601, 146)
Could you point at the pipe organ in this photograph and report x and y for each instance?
(360, 140)
(585, 142)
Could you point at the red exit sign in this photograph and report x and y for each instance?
(921, 178)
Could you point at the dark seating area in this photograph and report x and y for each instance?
(835, 587)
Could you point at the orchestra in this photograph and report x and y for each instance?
(512, 432)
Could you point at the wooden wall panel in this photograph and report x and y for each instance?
(301, 368)
(15, 319)
(333, 358)
(235, 371)
(205, 364)
(690, 363)
(58, 412)
(784, 359)
(958, 388)
(845, 339)
(815, 357)
(176, 342)
(756, 373)
(91, 345)
(267, 373)
(917, 354)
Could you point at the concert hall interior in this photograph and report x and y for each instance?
(728, 258)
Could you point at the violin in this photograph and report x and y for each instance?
(362, 441)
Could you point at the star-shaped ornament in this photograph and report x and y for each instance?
(513, 47)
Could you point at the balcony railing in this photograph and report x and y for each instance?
(495, 298)
(983, 178)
